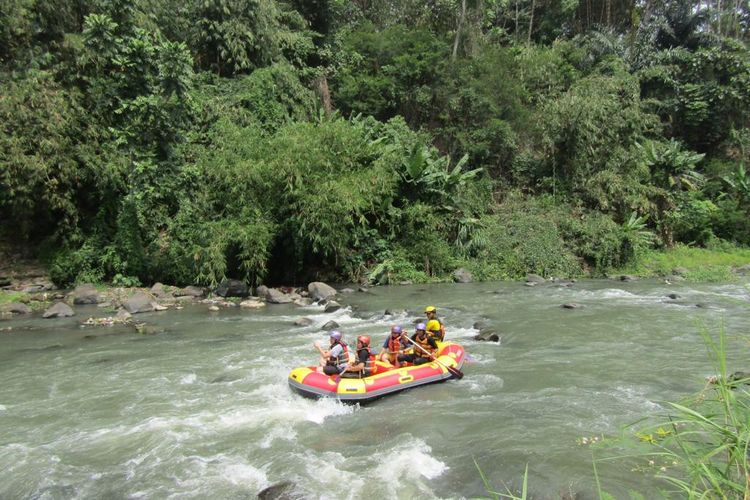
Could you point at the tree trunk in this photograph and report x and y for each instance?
(321, 88)
(531, 21)
(460, 27)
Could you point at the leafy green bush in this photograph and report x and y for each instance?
(524, 237)
(76, 266)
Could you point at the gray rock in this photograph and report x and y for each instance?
(534, 278)
(139, 303)
(284, 490)
(232, 288)
(190, 291)
(123, 315)
(320, 291)
(628, 278)
(85, 294)
(680, 271)
(487, 336)
(59, 310)
(274, 296)
(330, 325)
(160, 291)
(673, 296)
(303, 301)
(743, 270)
(261, 291)
(461, 275)
(15, 308)
(571, 305)
(304, 322)
(252, 303)
(34, 289)
(565, 283)
(363, 289)
(347, 290)
(332, 306)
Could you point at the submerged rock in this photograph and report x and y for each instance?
(285, 490)
(534, 278)
(332, 306)
(330, 326)
(571, 305)
(303, 322)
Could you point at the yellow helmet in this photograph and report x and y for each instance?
(433, 325)
(430, 309)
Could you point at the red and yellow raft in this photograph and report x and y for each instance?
(386, 379)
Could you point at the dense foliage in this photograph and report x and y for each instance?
(277, 141)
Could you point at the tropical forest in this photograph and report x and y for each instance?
(277, 141)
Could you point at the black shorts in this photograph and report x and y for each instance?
(331, 370)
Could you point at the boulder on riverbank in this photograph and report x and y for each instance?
(462, 275)
(275, 296)
(85, 294)
(139, 303)
(252, 303)
(320, 291)
(15, 308)
(59, 310)
(232, 288)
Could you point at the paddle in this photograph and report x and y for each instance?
(453, 371)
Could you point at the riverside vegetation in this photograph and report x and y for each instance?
(278, 141)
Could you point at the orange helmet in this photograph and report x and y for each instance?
(364, 339)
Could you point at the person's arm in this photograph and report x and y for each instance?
(322, 352)
(356, 367)
(432, 343)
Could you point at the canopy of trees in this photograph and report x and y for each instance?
(280, 140)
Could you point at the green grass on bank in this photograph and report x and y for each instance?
(8, 297)
(703, 264)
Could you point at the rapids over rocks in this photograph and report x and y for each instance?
(203, 410)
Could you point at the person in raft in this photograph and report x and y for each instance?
(426, 342)
(392, 347)
(435, 327)
(364, 362)
(334, 360)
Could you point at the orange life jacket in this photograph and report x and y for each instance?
(394, 344)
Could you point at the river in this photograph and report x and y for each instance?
(203, 410)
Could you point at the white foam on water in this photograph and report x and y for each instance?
(275, 433)
(480, 383)
(188, 379)
(206, 473)
(410, 460)
(3, 408)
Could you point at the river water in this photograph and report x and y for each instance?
(203, 410)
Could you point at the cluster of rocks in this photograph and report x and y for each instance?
(129, 301)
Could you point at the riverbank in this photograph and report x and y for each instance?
(26, 280)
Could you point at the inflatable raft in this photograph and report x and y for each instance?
(386, 379)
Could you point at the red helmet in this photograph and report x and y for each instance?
(365, 339)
